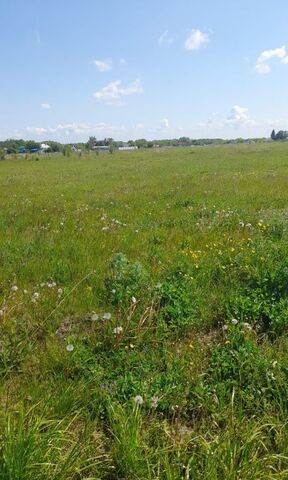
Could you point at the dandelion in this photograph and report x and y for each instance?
(138, 400)
(131, 346)
(234, 321)
(70, 347)
(134, 300)
(107, 316)
(118, 330)
(14, 288)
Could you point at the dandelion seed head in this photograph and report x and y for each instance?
(70, 347)
(107, 316)
(138, 400)
(234, 321)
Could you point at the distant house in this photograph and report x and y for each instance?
(101, 147)
(127, 147)
(76, 149)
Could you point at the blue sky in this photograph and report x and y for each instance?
(142, 68)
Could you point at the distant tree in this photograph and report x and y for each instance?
(30, 144)
(2, 154)
(92, 142)
(273, 135)
(281, 135)
(66, 151)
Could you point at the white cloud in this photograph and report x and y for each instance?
(36, 130)
(103, 65)
(262, 66)
(196, 39)
(113, 93)
(165, 39)
(239, 117)
(77, 129)
(46, 106)
(163, 125)
(122, 61)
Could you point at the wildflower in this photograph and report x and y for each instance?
(118, 330)
(234, 321)
(131, 346)
(159, 285)
(25, 292)
(138, 400)
(134, 300)
(70, 347)
(190, 345)
(14, 288)
(60, 291)
(154, 401)
(94, 317)
(247, 326)
(107, 316)
(227, 342)
(248, 225)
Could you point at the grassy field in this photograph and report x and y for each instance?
(143, 315)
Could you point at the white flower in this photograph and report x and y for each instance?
(25, 291)
(107, 316)
(94, 317)
(14, 288)
(118, 330)
(70, 347)
(138, 400)
(60, 291)
(234, 321)
(248, 225)
(247, 326)
(159, 285)
(134, 300)
(36, 295)
(225, 327)
(154, 402)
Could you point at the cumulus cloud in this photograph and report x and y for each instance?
(103, 65)
(165, 39)
(239, 117)
(114, 92)
(262, 66)
(196, 39)
(46, 105)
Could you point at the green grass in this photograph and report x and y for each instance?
(165, 273)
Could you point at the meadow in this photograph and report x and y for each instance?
(143, 315)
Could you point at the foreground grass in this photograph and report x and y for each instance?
(143, 314)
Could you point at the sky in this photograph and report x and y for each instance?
(130, 69)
